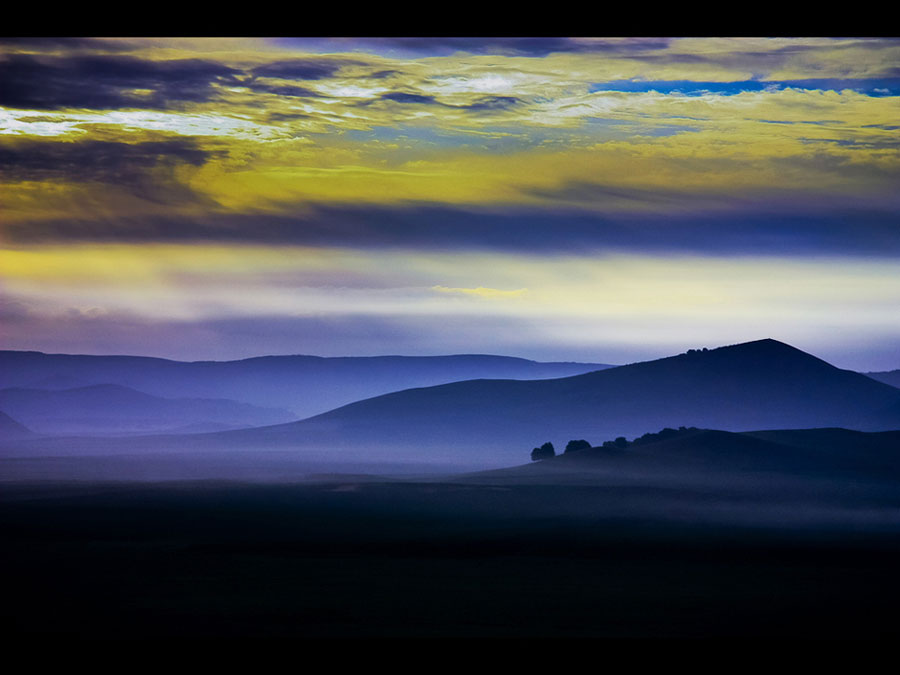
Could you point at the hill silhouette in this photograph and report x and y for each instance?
(494, 423)
(306, 385)
(755, 385)
(106, 408)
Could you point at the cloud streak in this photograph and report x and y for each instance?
(819, 229)
(482, 292)
(146, 170)
(107, 82)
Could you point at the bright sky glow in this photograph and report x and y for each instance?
(602, 199)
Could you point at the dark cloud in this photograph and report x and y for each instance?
(493, 103)
(870, 144)
(302, 69)
(485, 103)
(67, 44)
(286, 117)
(402, 97)
(763, 227)
(691, 59)
(596, 194)
(92, 159)
(57, 43)
(823, 162)
(144, 169)
(107, 82)
(381, 74)
(509, 46)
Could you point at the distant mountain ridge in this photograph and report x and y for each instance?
(763, 384)
(306, 385)
(112, 408)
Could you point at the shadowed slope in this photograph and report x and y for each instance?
(763, 384)
(307, 385)
(107, 408)
(492, 423)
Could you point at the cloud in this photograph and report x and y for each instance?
(93, 159)
(474, 149)
(534, 47)
(762, 228)
(777, 58)
(616, 197)
(479, 104)
(51, 44)
(403, 97)
(482, 292)
(107, 81)
(493, 103)
(312, 68)
(160, 301)
(236, 338)
(146, 169)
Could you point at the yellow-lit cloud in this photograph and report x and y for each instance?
(482, 292)
(538, 118)
(589, 287)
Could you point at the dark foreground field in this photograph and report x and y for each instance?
(352, 558)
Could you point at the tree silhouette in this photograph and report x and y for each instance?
(575, 446)
(546, 451)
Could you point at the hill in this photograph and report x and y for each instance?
(306, 385)
(690, 455)
(494, 423)
(755, 385)
(111, 408)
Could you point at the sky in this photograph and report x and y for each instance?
(596, 199)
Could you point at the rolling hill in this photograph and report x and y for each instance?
(755, 385)
(306, 385)
(494, 423)
(804, 453)
(111, 408)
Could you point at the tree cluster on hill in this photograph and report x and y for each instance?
(546, 451)
(663, 435)
(575, 446)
